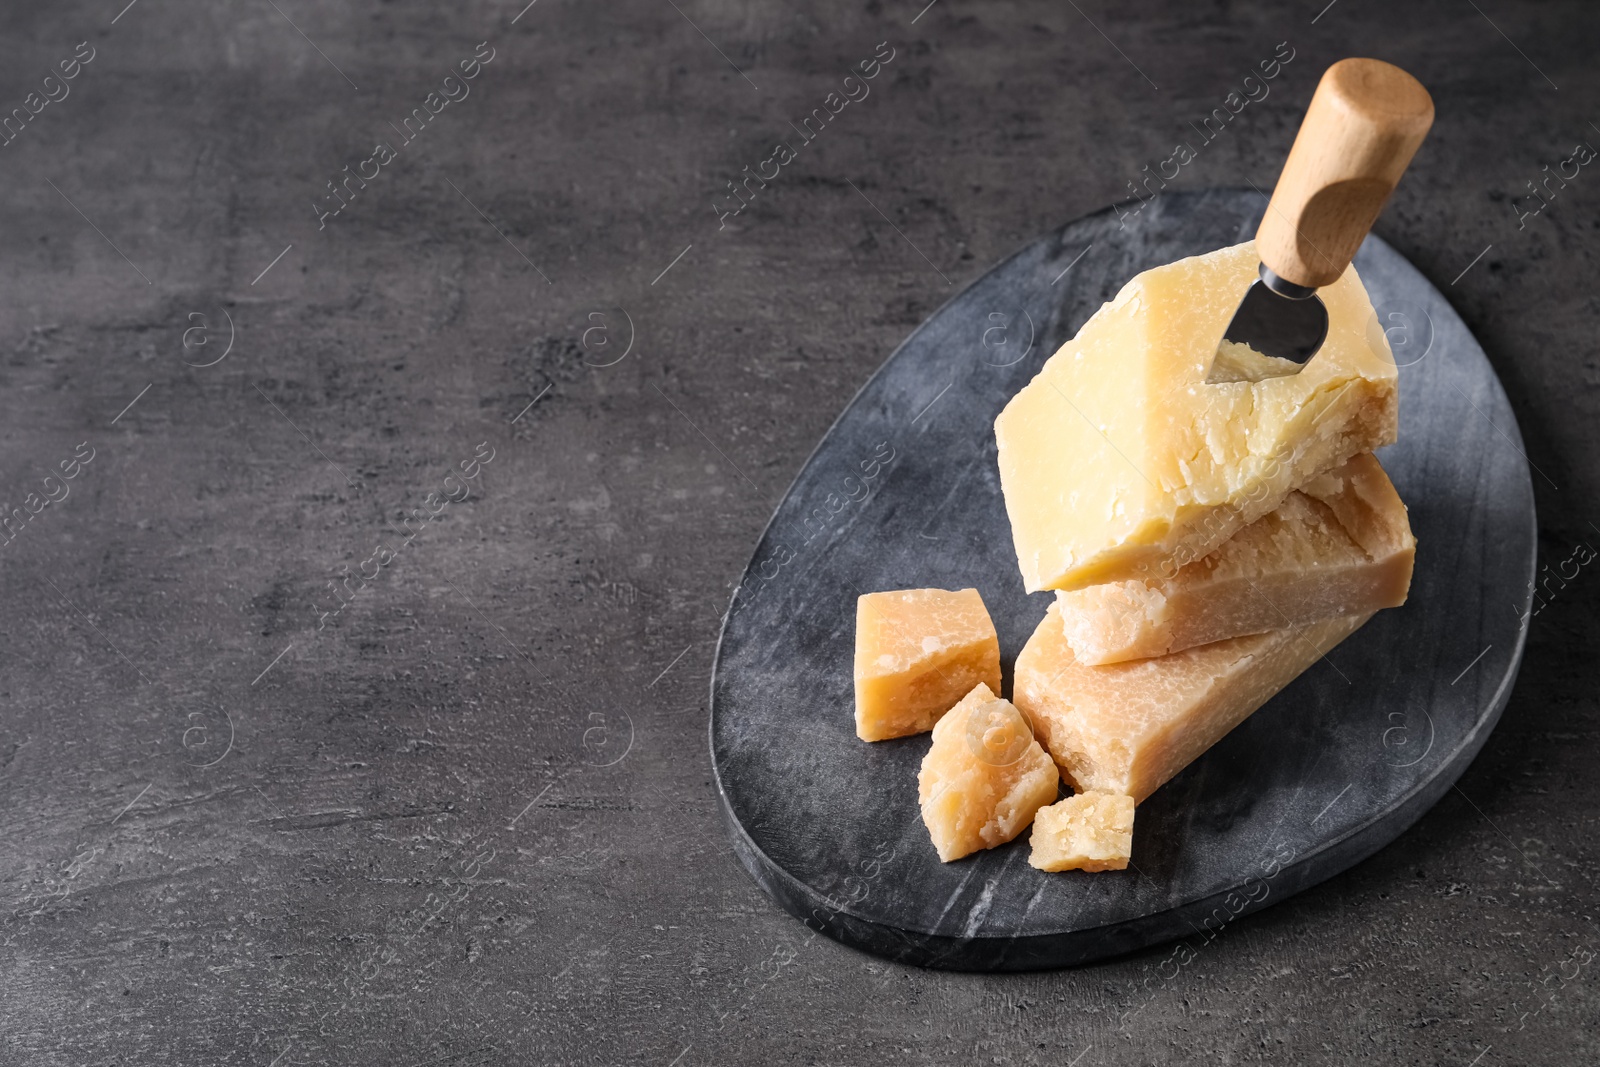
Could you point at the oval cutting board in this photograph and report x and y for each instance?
(903, 492)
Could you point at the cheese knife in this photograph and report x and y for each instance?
(1364, 124)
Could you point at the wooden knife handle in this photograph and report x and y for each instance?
(1364, 124)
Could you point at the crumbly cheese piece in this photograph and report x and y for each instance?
(918, 651)
(1339, 545)
(1088, 832)
(1129, 727)
(983, 777)
(1120, 455)
(1241, 363)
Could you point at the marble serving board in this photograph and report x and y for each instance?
(903, 492)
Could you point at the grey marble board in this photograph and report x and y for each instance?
(903, 492)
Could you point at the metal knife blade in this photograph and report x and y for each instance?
(1278, 318)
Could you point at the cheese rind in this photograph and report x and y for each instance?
(1339, 545)
(1129, 727)
(983, 777)
(1120, 455)
(918, 651)
(1087, 832)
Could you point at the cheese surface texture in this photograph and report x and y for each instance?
(1087, 832)
(1339, 545)
(1120, 455)
(983, 777)
(1129, 727)
(918, 651)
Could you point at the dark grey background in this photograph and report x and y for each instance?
(469, 819)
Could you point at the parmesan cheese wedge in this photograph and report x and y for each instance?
(1129, 727)
(1087, 832)
(1120, 455)
(918, 651)
(983, 777)
(1339, 545)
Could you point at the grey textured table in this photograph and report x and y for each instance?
(258, 809)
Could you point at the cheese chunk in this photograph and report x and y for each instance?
(1088, 832)
(1120, 455)
(918, 651)
(1128, 727)
(1339, 545)
(983, 777)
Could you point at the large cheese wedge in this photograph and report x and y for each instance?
(983, 777)
(1129, 727)
(1339, 545)
(1087, 832)
(918, 651)
(1120, 455)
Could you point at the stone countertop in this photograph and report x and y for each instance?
(353, 701)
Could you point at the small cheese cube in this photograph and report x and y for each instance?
(983, 777)
(1121, 454)
(918, 651)
(1339, 545)
(1088, 832)
(1128, 727)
